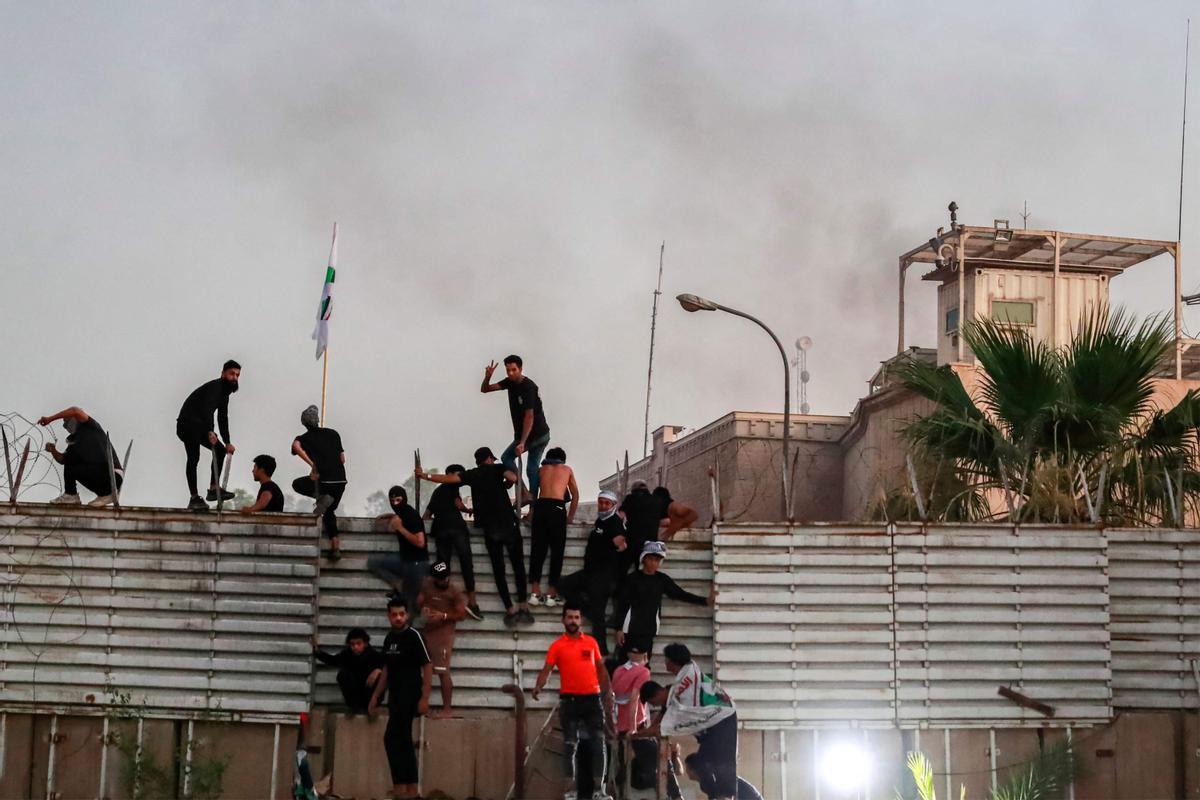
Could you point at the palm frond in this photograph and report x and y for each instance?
(922, 773)
(1043, 777)
(1022, 378)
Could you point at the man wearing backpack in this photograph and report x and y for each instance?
(694, 704)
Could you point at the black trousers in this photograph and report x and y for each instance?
(590, 590)
(307, 487)
(194, 440)
(93, 477)
(504, 539)
(355, 691)
(718, 754)
(457, 541)
(548, 533)
(399, 746)
(582, 717)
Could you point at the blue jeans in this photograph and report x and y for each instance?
(402, 574)
(533, 461)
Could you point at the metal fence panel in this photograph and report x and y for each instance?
(1155, 610)
(163, 613)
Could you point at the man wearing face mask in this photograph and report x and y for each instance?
(86, 460)
(603, 558)
(321, 449)
(194, 427)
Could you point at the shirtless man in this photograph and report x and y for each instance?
(550, 520)
(443, 606)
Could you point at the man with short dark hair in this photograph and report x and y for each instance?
(321, 448)
(270, 496)
(550, 520)
(359, 667)
(585, 704)
(89, 460)
(443, 607)
(194, 427)
(531, 433)
(494, 513)
(450, 534)
(408, 679)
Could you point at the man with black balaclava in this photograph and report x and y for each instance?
(87, 459)
(194, 427)
(321, 449)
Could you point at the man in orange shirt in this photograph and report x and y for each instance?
(585, 701)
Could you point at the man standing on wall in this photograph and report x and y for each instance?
(194, 427)
(531, 433)
(443, 607)
(450, 534)
(88, 461)
(584, 699)
(639, 605)
(321, 449)
(603, 558)
(550, 520)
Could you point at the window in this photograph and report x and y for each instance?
(1013, 312)
(952, 321)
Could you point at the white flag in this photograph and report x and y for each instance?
(325, 308)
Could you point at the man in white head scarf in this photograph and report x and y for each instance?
(591, 586)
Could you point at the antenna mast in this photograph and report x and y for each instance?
(1183, 133)
(650, 368)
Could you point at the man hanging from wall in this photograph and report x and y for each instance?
(406, 570)
(360, 667)
(443, 607)
(603, 559)
(548, 532)
(88, 461)
(321, 448)
(639, 604)
(450, 534)
(531, 433)
(194, 427)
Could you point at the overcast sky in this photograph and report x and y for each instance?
(503, 175)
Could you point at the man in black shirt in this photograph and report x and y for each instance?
(87, 459)
(321, 449)
(406, 570)
(603, 557)
(408, 678)
(639, 603)
(652, 517)
(270, 496)
(194, 427)
(494, 513)
(450, 534)
(531, 433)
(359, 667)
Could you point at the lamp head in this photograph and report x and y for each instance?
(691, 302)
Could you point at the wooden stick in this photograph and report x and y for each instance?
(1025, 701)
(416, 480)
(20, 471)
(324, 382)
(12, 493)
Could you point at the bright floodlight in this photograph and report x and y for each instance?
(691, 302)
(846, 767)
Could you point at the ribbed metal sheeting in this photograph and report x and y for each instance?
(874, 627)
(486, 653)
(804, 624)
(1155, 606)
(978, 608)
(159, 613)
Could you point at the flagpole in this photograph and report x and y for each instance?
(324, 383)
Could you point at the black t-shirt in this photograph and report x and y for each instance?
(412, 523)
(489, 495)
(600, 553)
(443, 506)
(324, 447)
(643, 511)
(271, 488)
(196, 413)
(522, 397)
(405, 655)
(88, 445)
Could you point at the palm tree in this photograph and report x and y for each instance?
(1057, 435)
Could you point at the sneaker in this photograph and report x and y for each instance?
(225, 495)
(570, 795)
(552, 601)
(536, 599)
(524, 617)
(333, 555)
(474, 612)
(511, 620)
(197, 504)
(323, 504)
(601, 795)
(65, 499)
(106, 500)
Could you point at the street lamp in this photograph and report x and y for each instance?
(691, 302)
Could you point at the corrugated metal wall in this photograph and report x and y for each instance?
(485, 652)
(162, 612)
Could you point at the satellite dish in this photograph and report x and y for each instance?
(805, 408)
(804, 343)
(804, 376)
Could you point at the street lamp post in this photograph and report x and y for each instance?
(691, 302)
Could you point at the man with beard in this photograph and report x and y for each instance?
(603, 557)
(585, 701)
(194, 427)
(87, 459)
(321, 449)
